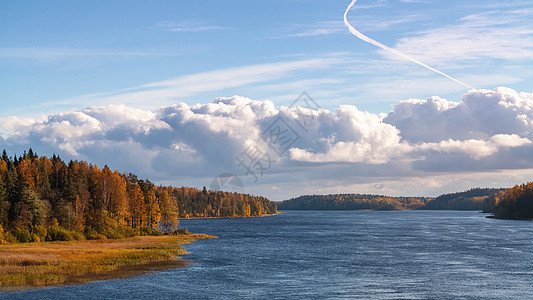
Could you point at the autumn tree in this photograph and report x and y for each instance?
(136, 206)
(152, 211)
(169, 214)
(41, 192)
(513, 203)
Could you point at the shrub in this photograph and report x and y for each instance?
(93, 235)
(56, 233)
(6, 237)
(39, 231)
(22, 235)
(181, 231)
(145, 231)
(110, 228)
(35, 238)
(78, 236)
(112, 233)
(129, 232)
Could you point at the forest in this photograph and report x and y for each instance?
(513, 203)
(352, 202)
(472, 199)
(46, 199)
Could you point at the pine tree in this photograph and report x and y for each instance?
(4, 156)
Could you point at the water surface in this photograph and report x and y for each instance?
(339, 254)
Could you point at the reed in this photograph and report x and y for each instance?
(31, 265)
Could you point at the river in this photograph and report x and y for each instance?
(338, 254)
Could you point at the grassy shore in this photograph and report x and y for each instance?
(32, 265)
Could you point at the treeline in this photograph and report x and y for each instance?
(193, 203)
(352, 202)
(513, 203)
(472, 199)
(45, 199)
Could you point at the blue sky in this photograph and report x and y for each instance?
(64, 56)
(54, 53)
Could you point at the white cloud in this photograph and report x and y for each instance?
(350, 135)
(47, 53)
(415, 1)
(489, 35)
(190, 26)
(165, 92)
(15, 126)
(365, 23)
(487, 130)
(477, 148)
(317, 29)
(481, 114)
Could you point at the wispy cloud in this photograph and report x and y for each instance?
(373, 24)
(166, 92)
(490, 35)
(321, 28)
(374, 4)
(189, 26)
(369, 24)
(58, 53)
(415, 1)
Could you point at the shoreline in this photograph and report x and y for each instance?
(208, 218)
(39, 265)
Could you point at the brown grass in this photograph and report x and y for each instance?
(33, 265)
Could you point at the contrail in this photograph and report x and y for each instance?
(380, 45)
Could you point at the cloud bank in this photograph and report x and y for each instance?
(486, 130)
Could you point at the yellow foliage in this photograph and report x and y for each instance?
(3, 169)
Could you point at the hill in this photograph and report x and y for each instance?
(45, 198)
(470, 200)
(514, 203)
(352, 202)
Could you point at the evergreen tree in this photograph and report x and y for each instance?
(42, 192)
(4, 156)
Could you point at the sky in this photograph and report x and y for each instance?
(279, 93)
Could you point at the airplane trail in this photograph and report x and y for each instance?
(391, 50)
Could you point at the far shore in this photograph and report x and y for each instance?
(35, 265)
(236, 217)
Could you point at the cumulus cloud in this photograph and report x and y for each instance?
(486, 130)
(15, 126)
(480, 114)
(350, 135)
(477, 148)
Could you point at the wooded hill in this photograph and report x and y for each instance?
(45, 198)
(472, 199)
(513, 203)
(352, 202)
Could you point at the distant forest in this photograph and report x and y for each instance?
(352, 202)
(513, 203)
(472, 199)
(45, 199)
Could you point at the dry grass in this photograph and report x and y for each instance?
(32, 265)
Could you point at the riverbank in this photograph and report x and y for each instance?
(235, 217)
(32, 265)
